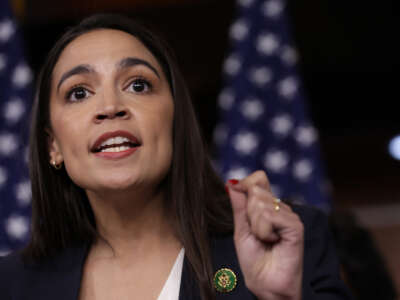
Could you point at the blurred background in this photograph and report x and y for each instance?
(347, 58)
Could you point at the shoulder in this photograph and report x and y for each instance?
(11, 269)
(318, 242)
(315, 221)
(321, 267)
(10, 264)
(20, 279)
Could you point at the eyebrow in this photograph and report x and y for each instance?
(124, 63)
(133, 61)
(80, 69)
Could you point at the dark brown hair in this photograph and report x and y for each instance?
(62, 216)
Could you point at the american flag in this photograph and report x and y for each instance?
(264, 121)
(15, 102)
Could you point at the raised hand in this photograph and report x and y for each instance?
(269, 239)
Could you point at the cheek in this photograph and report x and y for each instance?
(69, 131)
(162, 136)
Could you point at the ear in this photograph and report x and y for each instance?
(54, 148)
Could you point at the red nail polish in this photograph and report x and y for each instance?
(227, 190)
(233, 181)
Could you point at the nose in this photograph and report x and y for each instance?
(111, 108)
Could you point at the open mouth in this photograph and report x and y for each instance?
(116, 144)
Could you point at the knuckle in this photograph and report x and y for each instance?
(261, 175)
(254, 189)
(297, 218)
(258, 191)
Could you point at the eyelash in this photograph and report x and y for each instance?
(74, 89)
(142, 80)
(79, 87)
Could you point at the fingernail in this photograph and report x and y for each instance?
(233, 181)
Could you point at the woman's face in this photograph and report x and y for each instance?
(111, 113)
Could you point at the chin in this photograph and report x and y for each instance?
(119, 183)
(107, 182)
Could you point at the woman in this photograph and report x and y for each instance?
(123, 189)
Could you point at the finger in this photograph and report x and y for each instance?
(287, 226)
(257, 178)
(259, 200)
(262, 227)
(239, 208)
(258, 195)
(266, 223)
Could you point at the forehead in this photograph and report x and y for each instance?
(102, 46)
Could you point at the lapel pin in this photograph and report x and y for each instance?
(225, 280)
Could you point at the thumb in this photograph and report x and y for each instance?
(238, 199)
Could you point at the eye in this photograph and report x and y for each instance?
(139, 85)
(77, 94)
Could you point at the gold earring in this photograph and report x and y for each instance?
(56, 166)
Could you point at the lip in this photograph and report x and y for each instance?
(116, 155)
(110, 134)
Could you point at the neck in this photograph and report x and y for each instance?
(132, 223)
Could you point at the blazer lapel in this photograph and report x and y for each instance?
(223, 256)
(189, 289)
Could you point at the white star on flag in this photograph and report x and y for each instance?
(302, 169)
(8, 144)
(288, 87)
(252, 109)
(24, 193)
(237, 173)
(246, 3)
(273, 8)
(14, 109)
(22, 76)
(239, 30)
(232, 65)
(7, 29)
(282, 124)
(276, 161)
(305, 135)
(261, 76)
(17, 227)
(226, 99)
(267, 43)
(245, 142)
(289, 55)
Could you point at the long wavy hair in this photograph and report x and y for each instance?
(61, 214)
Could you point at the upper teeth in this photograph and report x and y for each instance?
(115, 141)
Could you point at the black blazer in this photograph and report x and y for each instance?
(60, 277)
